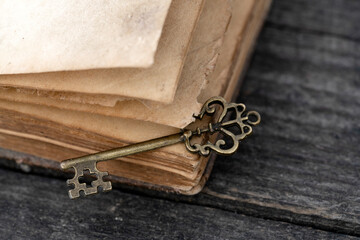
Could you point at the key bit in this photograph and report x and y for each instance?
(243, 122)
(95, 185)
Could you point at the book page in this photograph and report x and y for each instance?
(43, 36)
(199, 66)
(156, 83)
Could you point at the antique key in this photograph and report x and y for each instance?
(242, 122)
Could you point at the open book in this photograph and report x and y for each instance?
(79, 77)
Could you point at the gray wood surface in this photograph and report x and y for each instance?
(303, 163)
(120, 215)
(301, 166)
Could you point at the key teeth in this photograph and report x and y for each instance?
(75, 193)
(81, 187)
(106, 186)
(69, 182)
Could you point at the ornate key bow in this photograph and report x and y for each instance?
(232, 115)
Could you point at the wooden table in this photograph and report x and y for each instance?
(297, 177)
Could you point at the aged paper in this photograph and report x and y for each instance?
(157, 83)
(198, 69)
(43, 36)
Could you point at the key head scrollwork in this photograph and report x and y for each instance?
(242, 120)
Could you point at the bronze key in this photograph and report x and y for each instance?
(241, 121)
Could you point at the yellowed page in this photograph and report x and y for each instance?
(200, 63)
(157, 83)
(242, 12)
(43, 36)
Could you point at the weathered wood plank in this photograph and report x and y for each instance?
(303, 164)
(336, 17)
(34, 207)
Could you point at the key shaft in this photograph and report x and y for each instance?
(126, 150)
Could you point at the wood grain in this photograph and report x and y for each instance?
(34, 207)
(303, 164)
